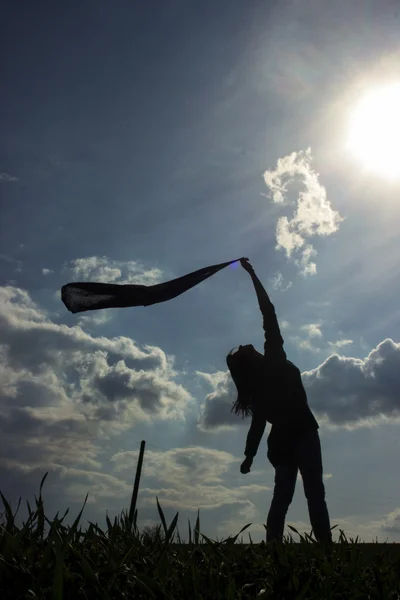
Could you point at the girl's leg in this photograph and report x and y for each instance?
(285, 483)
(309, 458)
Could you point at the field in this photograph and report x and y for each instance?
(45, 559)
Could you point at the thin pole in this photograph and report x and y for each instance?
(136, 484)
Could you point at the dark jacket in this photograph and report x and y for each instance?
(277, 394)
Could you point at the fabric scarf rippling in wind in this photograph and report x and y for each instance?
(82, 296)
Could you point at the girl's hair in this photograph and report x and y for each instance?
(240, 370)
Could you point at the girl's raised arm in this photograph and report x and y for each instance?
(273, 346)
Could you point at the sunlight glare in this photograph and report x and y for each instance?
(374, 137)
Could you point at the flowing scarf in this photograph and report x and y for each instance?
(81, 296)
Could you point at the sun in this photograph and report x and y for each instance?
(374, 134)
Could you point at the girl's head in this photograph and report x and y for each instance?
(240, 363)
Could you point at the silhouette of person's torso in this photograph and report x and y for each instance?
(279, 396)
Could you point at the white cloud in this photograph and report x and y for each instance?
(61, 387)
(392, 522)
(314, 336)
(312, 329)
(174, 466)
(105, 270)
(47, 272)
(99, 318)
(339, 344)
(304, 344)
(181, 473)
(314, 214)
(214, 379)
(277, 283)
(7, 178)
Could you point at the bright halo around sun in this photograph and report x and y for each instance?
(374, 136)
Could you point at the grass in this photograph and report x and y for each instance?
(68, 563)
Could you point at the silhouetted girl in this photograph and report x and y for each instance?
(270, 389)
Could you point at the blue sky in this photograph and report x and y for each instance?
(142, 141)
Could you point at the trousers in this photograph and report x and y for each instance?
(308, 459)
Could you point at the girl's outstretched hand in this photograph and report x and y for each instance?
(246, 265)
(246, 464)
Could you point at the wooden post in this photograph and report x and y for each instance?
(136, 484)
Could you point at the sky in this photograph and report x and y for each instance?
(145, 140)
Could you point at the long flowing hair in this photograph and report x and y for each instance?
(240, 369)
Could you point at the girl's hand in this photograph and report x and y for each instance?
(246, 464)
(246, 265)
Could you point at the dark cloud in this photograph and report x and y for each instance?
(351, 391)
(347, 391)
(217, 405)
(62, 389)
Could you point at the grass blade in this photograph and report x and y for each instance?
(197, 528)
(190, 533)
(75, 523)
(233, 540)
(170, 531)
(10, 518)
(162, 517)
